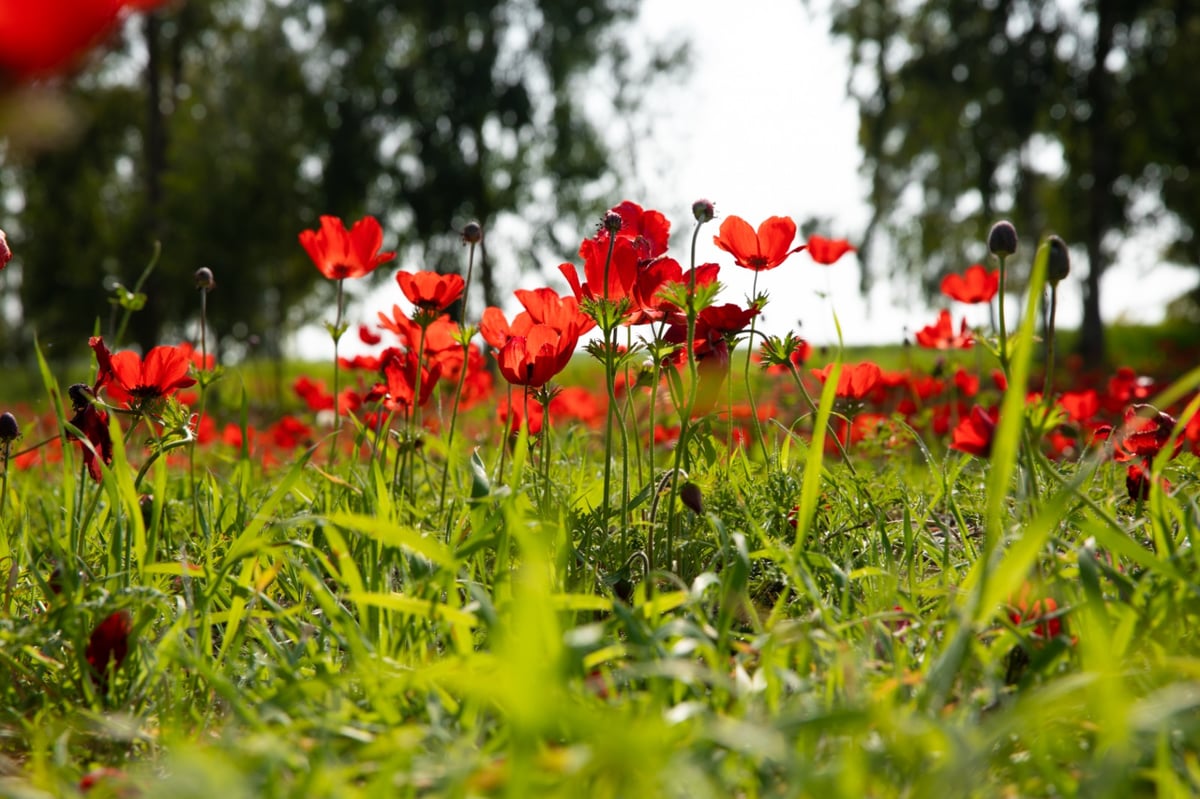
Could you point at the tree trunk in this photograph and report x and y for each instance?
(146, 324)
(1100, 200)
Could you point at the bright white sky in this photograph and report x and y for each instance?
(761, 125)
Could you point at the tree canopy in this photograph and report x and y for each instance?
(221, 129)
(1071, 118)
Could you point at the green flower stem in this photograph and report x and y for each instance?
(758, 433)
(1048, 382)
(689, 403)
(609, 376)
(462, 380)
(1003, 324)
(336, 333)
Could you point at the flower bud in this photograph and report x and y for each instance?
(9, 429)
(703, 210)
(1002, 239)
(689, 494)
(1058, 260)
(472, 233)
(5, 252)
(613, 222)
(204, 279)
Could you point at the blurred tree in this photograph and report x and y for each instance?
(223, 128)
(1063, 117)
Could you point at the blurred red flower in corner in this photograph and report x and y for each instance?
(44, 37)
(975, 285)
(765, 249)
(339, 253)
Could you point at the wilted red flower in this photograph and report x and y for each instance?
(93, 423)
(827, 251)
(430, 291)
(108, 645)
(975, 432)
(135, 380)
(940, 335)
(766, 249)
(975, 285)
(1145, 432)
(855, 382)
(340, 254)
(42, 38)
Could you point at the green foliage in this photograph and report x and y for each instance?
(425, 116)
(1052, 116)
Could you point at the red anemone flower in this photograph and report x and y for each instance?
(649, 230)
(133, 380)
(108, 645)
(827, 251)
(973, 286)
(93, 423)
(1041, 613)
(340, 254)
(855, 382)
(531, 360)
(975, 432)
(430, 291)
(5, 252)
(940, 335)
(766, 249)
(621, 270)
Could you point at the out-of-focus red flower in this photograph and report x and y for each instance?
(941, 336)
(115, 781)
(1146, 430)
(967, 383)
(39, 38)
(108, 645)
(765, 249)
(338, 253)
(856, 380)
(5, 252)
(1137, 482)
(975, 432)
(314, 393)
(1125, 387)
(827, 251)
(289, 433)
(1080, 406)
(647, 229)
(975, 285)
(1040, 612)
(368, 336)
(430, 291)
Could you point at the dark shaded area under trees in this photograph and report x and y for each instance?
(222, 129)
